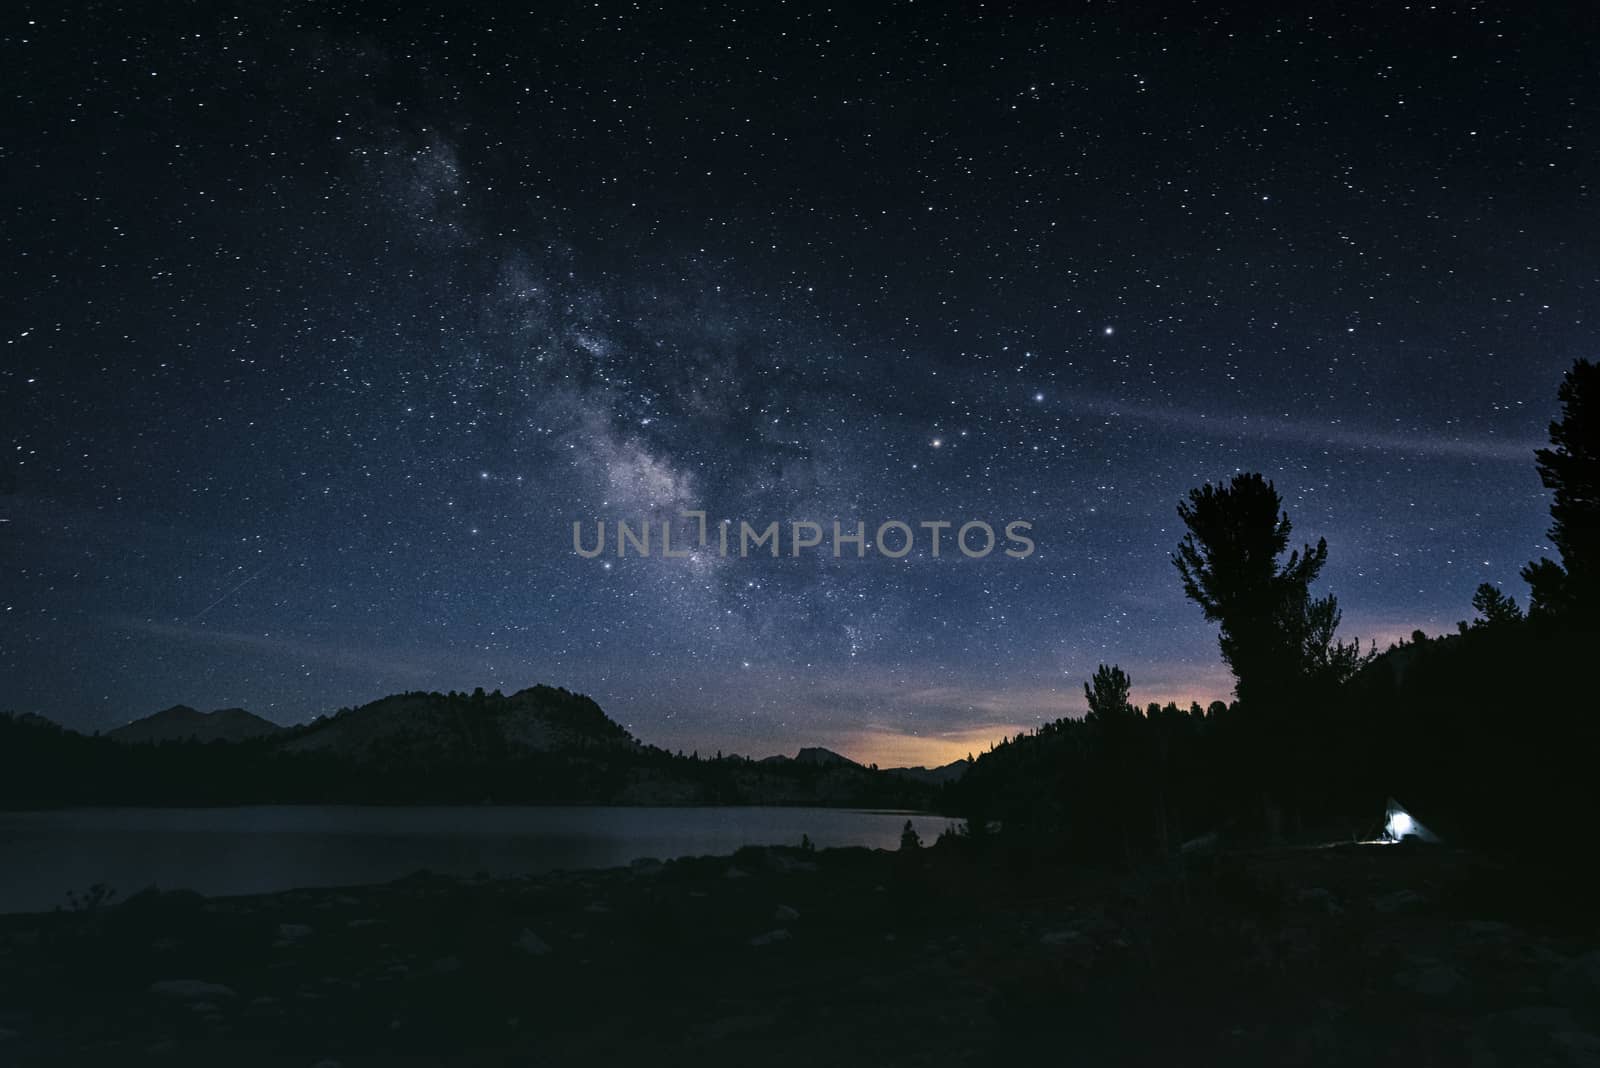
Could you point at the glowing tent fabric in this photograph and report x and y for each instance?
(1398, 824)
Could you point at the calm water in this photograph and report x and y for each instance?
(44, 855)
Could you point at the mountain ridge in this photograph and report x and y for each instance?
(540, 718)
(540, 745)
(183, 723)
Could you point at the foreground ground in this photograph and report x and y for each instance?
(1348, 955)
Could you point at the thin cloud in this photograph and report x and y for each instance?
(1339, 435)
(388, 662)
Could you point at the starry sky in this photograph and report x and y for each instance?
(321, 326)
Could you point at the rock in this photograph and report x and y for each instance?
(1066, 937)
(264, 1007)
(1297, 944)
(532, 944)
(646, 866)
(190, 990)
(781, 934)
(447, 965)
(1577, 986)
(1438, 982)
(787, 865)
(327, 1062)
(1477, 1053)
(729, 1026)
(1399, 901)
(785, 914)
(1538, 1035)
(1321, 898)
(290, 934)
(1543, 1018)
(1581, 1047)
(737, 873)
(152, 903)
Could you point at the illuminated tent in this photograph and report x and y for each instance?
(1399, 824)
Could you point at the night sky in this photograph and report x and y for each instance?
(321, 328)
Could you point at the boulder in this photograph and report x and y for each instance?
(190, 990)
(1399, 901)
(1436, 982)
(1577, 986)
(532, 944)
(781, 934)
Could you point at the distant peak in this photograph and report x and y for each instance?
(816, 754)
(175, 712)
(183, 723)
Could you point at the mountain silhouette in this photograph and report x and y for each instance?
(462, 727)
(180, 723)
(539, 745)
(815, 756)
(934, 776)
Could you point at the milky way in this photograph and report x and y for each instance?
(321, 329)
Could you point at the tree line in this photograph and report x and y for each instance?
(1489, 734)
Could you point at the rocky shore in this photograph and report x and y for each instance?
(961, 954)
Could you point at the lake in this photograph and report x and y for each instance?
(263, 849)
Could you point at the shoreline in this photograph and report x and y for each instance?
(952, 954)
(246, 850)
(203, 806)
